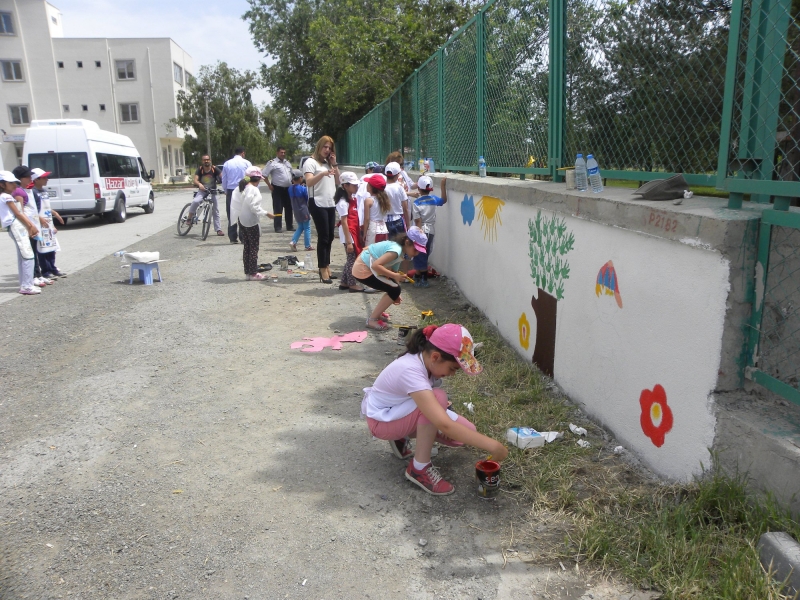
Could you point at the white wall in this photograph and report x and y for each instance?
(668, 331)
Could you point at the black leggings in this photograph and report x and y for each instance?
(394, 291)
(324, 221)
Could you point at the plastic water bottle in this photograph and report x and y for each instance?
(431, 166)
(481, 166)
(581, 180)
(121, 255)
(308, 263)
(594, 174)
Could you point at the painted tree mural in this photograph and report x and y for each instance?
(549, 244)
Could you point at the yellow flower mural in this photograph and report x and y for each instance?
(524, 331)
(489, 209)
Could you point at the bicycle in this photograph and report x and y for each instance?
(203, 215)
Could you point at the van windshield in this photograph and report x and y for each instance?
(62, 165)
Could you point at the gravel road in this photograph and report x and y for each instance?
(164, 442)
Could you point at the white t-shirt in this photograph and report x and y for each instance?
(397, 195)
(6, 216)
(323, 191)
(389, 397)
(342, 208)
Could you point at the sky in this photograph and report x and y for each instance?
(209, 32)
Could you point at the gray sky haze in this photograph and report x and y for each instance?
(208, 31)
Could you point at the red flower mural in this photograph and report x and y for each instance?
(656, 418)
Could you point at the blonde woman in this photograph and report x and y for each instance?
(322, 178)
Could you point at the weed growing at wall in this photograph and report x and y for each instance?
(595, 508)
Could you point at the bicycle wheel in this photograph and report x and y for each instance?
(206, 219)
(184, 224)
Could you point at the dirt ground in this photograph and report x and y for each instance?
(164, 442)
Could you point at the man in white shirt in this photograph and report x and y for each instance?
(232, 173)
(398, 215)
(280, 171)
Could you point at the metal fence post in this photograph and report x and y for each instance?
(440, 120)
(480, 63)
(557, 96)
(417, 117)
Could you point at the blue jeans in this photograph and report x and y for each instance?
(395, 228)
(303, 227)
(421, 259)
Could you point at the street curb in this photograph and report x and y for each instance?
(783, 551)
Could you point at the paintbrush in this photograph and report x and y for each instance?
(406, 276)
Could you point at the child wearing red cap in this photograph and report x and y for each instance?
(406, 401)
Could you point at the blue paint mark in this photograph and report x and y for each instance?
(468, 209)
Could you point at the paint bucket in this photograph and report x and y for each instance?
(487, 476)
(570, 177)
(284, 263)
(402, 335)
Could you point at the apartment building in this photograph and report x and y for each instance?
(126, 85)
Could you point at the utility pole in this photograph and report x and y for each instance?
(208, 132)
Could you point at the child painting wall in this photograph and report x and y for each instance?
(647, 367)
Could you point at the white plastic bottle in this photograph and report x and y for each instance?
(595, 181)
(308, 263)
(581, 179)
(121, 254)
(481, 166)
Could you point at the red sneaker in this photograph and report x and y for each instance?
(429, 480)
(401, 448)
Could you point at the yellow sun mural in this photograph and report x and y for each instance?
(524, 331)
(489, 209)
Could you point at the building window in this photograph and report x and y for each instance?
(84, 107)
(6, 24)
(178, 109)
(54, 20)
(165, 157)
(177, 72)
(102, 107)
(19, 114)
(97, 64)
(125, 70)
(129, 113)
(65, 107)
(12, 70)
(80, 64)
(60, 64)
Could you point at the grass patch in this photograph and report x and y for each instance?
(599, 509)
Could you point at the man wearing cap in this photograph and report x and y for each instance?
(47, 253)
(232, 173)
(399, 215)
(279, 171)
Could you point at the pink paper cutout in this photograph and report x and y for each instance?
(334, 343)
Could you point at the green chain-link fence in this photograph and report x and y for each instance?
(708, 88)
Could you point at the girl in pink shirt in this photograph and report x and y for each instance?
(405, 401)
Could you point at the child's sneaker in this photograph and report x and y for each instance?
(421, 283)
(37, 281)
(429, 480)
(29, 291)
(401, 448)
(255, 277)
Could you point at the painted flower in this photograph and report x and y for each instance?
(524, 331)
(656, 417)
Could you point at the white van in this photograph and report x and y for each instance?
(94, 172)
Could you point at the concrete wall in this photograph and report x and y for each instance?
(640, 307)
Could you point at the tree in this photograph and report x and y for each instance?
(335, 60)
(549, 243)
(234, 119)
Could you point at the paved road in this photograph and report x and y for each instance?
(85, 241)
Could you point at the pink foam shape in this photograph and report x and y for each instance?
(334, 343)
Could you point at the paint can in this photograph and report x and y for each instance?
(284, 263)
(487, 476)
(402, 334)
(569, 175)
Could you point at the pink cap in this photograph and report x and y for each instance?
(456, 340)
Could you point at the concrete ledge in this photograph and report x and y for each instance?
(782, 552)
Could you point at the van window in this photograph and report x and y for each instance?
(114, 165)
(62, 165)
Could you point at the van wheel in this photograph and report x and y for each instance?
(120, 212)
(151, 204)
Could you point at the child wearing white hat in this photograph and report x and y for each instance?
(21, 229)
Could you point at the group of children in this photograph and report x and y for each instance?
(26, 212)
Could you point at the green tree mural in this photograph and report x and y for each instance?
(548, 245)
